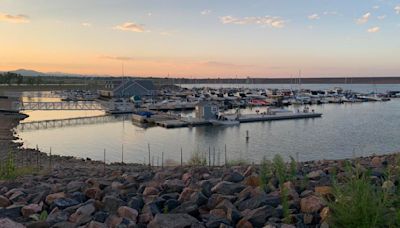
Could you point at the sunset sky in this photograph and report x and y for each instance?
(202, 38)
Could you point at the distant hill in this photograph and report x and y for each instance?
(25, 72)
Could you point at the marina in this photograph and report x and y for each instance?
(252, 121)
(342, 131)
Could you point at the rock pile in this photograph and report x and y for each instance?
(79, 194)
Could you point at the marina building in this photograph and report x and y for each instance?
(128, 88)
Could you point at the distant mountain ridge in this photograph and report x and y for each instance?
(27, 72)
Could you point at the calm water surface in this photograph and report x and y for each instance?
(344, 131)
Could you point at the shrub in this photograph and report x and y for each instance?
(279, 167)
(359, 203)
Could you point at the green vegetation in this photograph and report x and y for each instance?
(283, 172)
(359, 202)
(237, 162)
(9, 171)
(265, 173)
(43, 216)
(285, 204)
(279, 168)
(197, 159)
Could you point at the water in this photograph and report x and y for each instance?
(344, 131)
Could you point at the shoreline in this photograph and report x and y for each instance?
(10, 120)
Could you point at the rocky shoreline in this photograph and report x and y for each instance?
(83, 193)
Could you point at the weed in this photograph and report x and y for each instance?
(237, 162)
(285, 204)
(8, 170)
(265, 173)
(279, 167)
(197, 160)
(43, 216)
(359, 203)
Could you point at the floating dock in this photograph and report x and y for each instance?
(172, 122)
(182, 123)
(282, 116)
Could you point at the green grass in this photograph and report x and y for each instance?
(197, 160)
(280, 170)
(9, 171)
(238, 162)
(360, 203)
(265, 173)
(285, 205)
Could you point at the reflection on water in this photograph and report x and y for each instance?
(362, 129)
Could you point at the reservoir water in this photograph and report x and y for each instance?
(345, 130)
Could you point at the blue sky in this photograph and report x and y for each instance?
(214, 38)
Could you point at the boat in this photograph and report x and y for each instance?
(225, 121)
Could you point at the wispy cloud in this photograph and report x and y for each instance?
(119, 58)
(20, 18)
(275, 22)
(86, 24)
(382, 17)
(375, 7)
(205, 12)
(397, 9)
(313, 16)
(364, 19)
(130, 26)
(373, 29)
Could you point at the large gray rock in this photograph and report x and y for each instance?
(234, 177)
(174, 185)
(112, 203)
(8, 223)
(258, 201)
(199, 198)
(227, 188)
(56, 217)
(258, 217)
(188, 207)
(173, 221)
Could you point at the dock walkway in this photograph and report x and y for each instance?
(176, 123)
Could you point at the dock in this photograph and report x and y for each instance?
(283, 116)
(168, 121)
(182, 123)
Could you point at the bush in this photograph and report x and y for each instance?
(360, 203)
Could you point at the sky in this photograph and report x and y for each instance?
(202, 38)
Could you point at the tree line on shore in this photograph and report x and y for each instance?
(10, 78)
